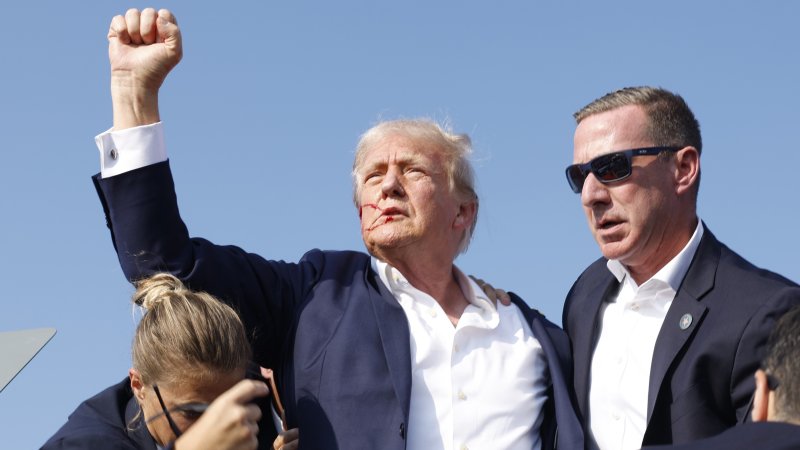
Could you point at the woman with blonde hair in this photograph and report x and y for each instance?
(186, 388)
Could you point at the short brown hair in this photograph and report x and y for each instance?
(672, 123)
(783, 363)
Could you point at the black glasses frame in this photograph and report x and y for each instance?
(610, 167)
(197, 408)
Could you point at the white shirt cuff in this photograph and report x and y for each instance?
(129, 149)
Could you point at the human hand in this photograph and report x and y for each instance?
(287, 440)
(493, 293)
(142, 48)
(229, 423)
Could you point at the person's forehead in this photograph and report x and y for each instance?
(610, 131)
(398, 148)
(207, 390)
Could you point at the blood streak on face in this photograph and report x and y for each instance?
(374, 224)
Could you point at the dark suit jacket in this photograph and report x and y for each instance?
(337, 339)
(101, 422)
(701, 377)
(761, 435)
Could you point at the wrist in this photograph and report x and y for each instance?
(134, 103)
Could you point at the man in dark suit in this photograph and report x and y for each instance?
(669, 326)
(776, 403)
(391, 350)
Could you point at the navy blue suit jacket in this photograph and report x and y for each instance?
(760, 435)
(337, 339)
(701, 377)
(102, 422)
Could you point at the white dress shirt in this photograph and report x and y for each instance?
(479, 385)
(620, 373)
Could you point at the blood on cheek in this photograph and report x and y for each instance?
(374, 224)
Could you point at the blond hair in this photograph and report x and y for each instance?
(185, 334)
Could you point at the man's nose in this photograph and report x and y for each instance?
(594, 192)
(392, 185)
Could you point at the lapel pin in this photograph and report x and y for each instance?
(685, 321)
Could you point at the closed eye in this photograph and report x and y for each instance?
(191, 415)
(192, 411)
(372, 177)
(413, 169)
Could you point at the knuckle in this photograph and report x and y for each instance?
(239, 414)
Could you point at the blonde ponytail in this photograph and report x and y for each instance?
(185, 334)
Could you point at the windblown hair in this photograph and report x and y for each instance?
(783, 362)
(185, 334)
(456, 149)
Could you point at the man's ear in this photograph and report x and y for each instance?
(136, 384)
(761, 397)
(687, 169)
(467, 213)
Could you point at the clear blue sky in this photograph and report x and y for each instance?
(264, 111)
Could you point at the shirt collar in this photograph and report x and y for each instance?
(396, 281)
(674, 271)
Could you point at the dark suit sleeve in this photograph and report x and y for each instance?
(561, 427)
(753, 346)
(149, 236)
(89, 442)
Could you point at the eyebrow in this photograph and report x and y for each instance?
(402, 160)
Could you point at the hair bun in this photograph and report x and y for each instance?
(152, 291)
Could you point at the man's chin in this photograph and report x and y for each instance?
(613, 249)
(383, 243)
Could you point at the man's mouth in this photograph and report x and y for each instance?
(391, 212)
(385, 215)
(607, 224)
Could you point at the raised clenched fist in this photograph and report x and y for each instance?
(143, 46)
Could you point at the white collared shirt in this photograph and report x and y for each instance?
(620, 374)
(479, 385)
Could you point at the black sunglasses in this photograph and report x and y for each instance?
(194, 410)
(610, 167)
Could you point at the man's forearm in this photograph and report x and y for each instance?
(133, 104)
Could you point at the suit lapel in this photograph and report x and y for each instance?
(685, 315)
(584, 337)
(395, 338)
(556, 350)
